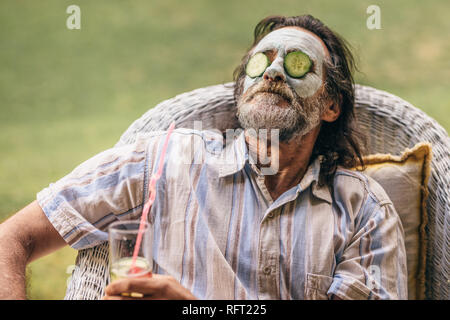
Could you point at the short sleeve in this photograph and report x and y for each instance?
(103, 189)
(373, 265)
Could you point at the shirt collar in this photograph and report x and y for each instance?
(235, 155)
(311, 178)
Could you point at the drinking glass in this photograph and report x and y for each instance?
(122, 241)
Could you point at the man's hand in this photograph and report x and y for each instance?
(156, 287)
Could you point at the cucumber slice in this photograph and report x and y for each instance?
(257, 65)
(297, 64)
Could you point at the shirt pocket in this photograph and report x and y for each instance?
(316, 286)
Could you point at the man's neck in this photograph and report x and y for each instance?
(293, 157)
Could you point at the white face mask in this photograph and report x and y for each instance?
(283, 41)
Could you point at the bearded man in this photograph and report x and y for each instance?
(311, 229)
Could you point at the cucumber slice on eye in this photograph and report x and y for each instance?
(297, 64)
(257, 65)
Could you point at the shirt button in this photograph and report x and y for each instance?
(267, 270)
(270, 215)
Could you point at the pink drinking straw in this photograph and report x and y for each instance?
(151, 199)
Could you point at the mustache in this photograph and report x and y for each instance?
(279, 88)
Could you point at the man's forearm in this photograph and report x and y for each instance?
(13, 261)
(24, 237)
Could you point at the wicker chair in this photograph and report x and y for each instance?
(392, 124)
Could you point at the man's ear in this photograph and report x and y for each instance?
(331, 112)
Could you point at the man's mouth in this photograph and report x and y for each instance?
(279, 94)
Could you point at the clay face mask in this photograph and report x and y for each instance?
(291, 105)
(283, 41)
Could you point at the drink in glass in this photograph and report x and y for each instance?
(122, 242)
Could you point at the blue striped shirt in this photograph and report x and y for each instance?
(218, 231)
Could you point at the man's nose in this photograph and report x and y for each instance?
(275, 72)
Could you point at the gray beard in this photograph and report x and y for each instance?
(277, 106)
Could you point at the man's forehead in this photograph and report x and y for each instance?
(293, 35)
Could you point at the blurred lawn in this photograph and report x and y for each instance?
(66, 95)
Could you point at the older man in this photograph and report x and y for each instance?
(311, 229)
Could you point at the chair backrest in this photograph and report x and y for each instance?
(392, 125)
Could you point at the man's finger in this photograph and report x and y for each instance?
(118, 298)
(145, 286)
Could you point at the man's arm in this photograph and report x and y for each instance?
(108, 187)
(24, 237)
(373, 265)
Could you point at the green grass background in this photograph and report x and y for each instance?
(66, 95)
